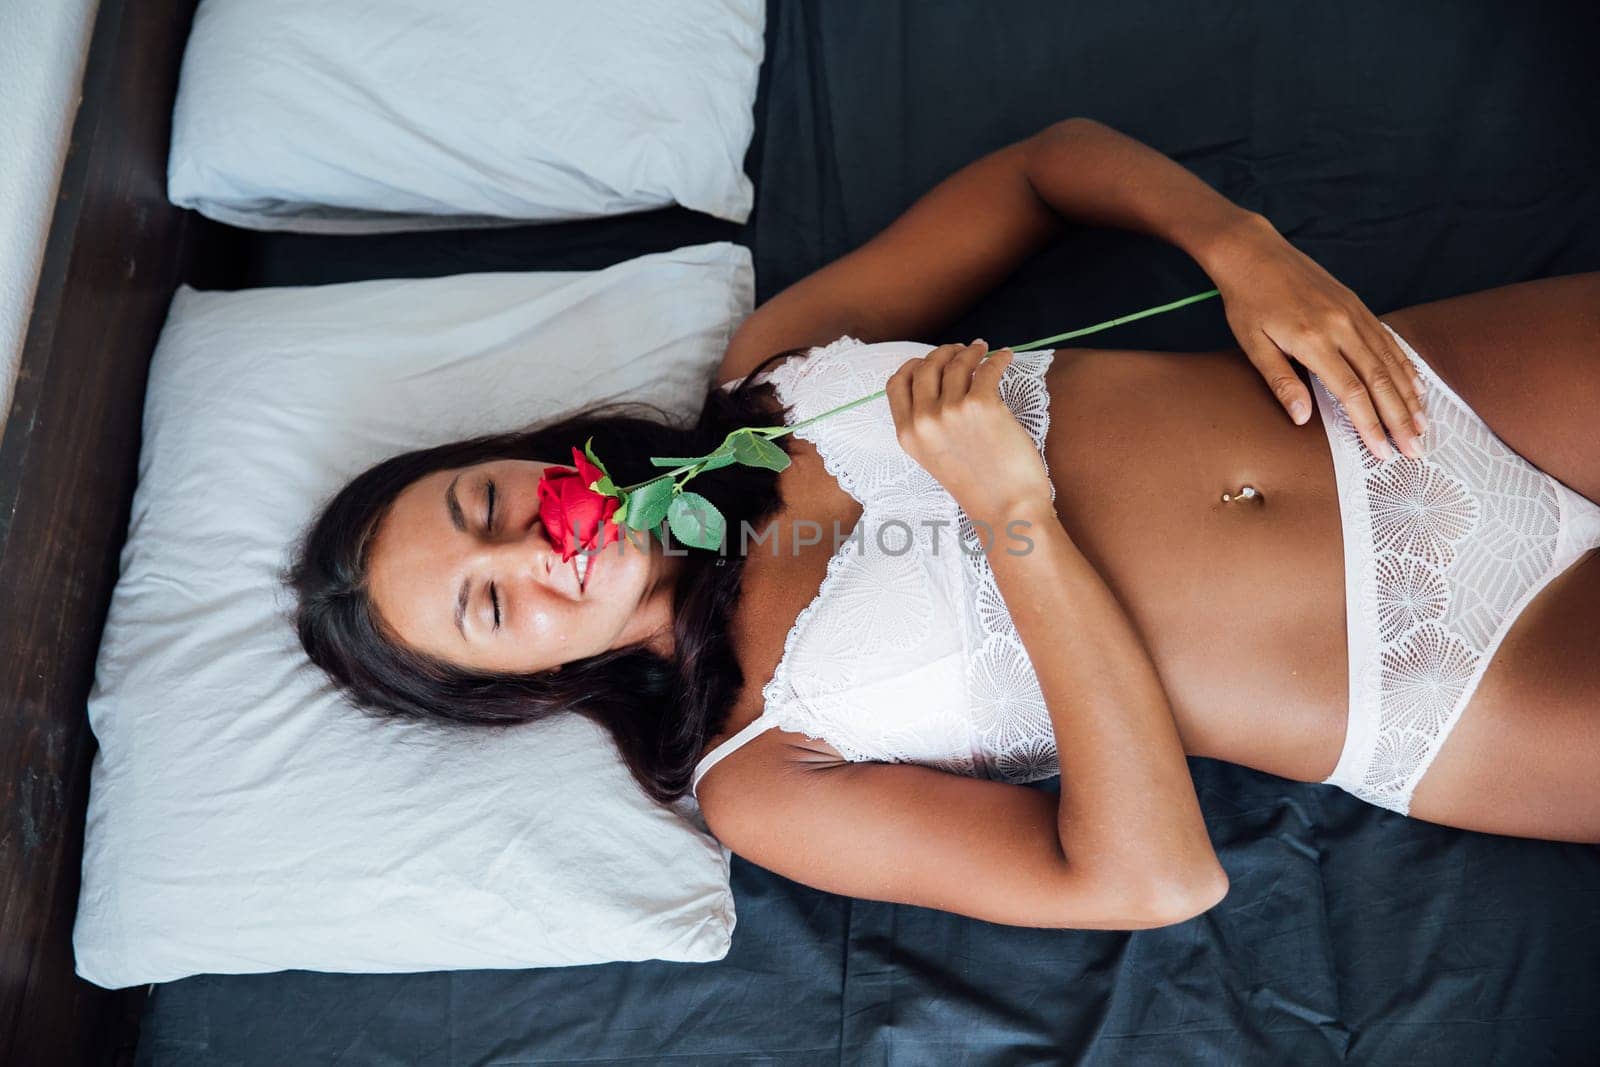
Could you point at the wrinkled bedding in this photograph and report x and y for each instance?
(1417, 151)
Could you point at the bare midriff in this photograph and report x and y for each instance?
(1240, 602)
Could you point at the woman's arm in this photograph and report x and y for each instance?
(1128, 813)
(969, 232)
(1122, 847)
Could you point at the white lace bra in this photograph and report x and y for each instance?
(907, 654)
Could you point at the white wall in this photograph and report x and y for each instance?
(43, 44)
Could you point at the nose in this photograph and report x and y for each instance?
(528, 551)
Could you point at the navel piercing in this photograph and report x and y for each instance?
(1247, 492)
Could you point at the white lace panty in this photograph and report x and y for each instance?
(1441, 555)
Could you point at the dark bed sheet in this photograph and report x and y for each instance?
(1417, 151)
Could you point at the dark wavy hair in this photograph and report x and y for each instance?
(659, 711)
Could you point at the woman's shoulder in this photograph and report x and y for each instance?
(844, 350)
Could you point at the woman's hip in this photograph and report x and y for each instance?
(1443, 554)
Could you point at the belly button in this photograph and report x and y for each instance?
(1246, 494)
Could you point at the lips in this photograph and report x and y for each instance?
(586, 562)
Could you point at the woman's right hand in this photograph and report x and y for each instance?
(948, 416)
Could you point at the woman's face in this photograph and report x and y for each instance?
(461, 569)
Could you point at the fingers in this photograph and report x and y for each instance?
(898, 392)
(1359, 378)
(1325, 327)
(972, 371)
(1386, 378)
(1358, 403)
(957, 379)
(1392, 347)
(941, 377)
(986, 379)
(1405, 374)
(1281, 378)
(1392, 386)
(1384, 394)
(918, 385)
(927, 377)
(944, 376)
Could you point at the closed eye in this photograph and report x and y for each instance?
(488, 527)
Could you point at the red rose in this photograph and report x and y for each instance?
(577, 518)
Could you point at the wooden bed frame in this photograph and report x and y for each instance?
(116, 251)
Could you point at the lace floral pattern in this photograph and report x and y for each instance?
(906, 654)
(1442, 554)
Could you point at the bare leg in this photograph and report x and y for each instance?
(1525, 757)
(1527, 358)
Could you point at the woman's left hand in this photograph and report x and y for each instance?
(1282, 305)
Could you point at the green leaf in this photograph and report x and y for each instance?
(674, 461)
(722, 457)
(604, 486)
(620, 516)
(588, 450)
(759, 452)
(696, 521)
(647, 505)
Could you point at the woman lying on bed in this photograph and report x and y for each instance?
(1120, 557)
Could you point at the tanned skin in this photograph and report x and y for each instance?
(1161, 621)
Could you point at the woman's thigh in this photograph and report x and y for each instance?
(1526, 357)
(1524, 759)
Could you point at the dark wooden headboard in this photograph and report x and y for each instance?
(116, 251)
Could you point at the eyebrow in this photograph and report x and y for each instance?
(452, 504)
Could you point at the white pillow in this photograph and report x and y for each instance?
(242, 817)
(365, 115)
